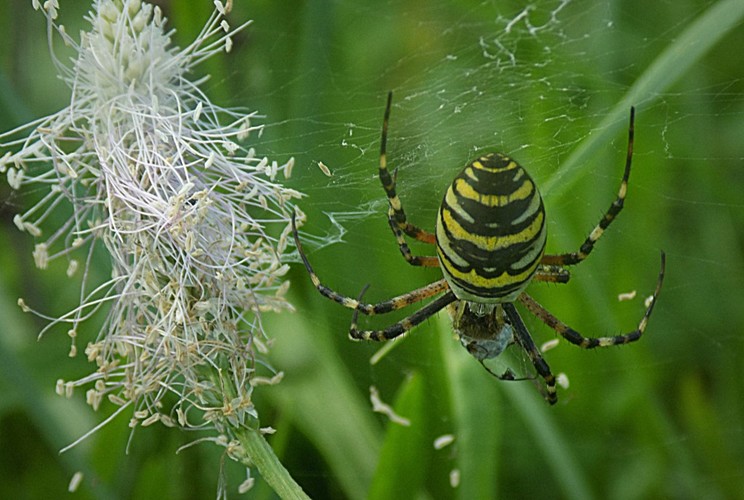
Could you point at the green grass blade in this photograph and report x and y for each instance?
(323, 403)
(549, 440)
(477, 416)
(400, 471)
(702, 35)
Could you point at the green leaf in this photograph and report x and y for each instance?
(674, 62)
(476, 411)
(402, 461)
(323, 403)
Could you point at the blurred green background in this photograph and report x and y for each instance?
(549, 84)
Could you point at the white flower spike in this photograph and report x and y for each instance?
(195, 225)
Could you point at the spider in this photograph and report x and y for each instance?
(490, 241)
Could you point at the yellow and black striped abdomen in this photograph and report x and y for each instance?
(490, 230)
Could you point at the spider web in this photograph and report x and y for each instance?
(537, 82)
(467, 97)
(532, 81)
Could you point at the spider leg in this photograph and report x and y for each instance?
(524, 339)
(380, 308)
(552, 274)
(403, 325)
(508, 374)
(576, 338)
(405, 250)
(388, 184)
(568, 259)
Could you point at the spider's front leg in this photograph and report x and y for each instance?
(414, 260)
(396, 214)
(569, 259)
(552, 274)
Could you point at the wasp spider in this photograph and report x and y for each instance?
(490, 240)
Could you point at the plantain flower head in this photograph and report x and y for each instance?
(195, 224)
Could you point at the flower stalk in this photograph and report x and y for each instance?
(195, 224)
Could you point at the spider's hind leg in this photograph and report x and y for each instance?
(402, 326)
(578, 339)
(523, 338)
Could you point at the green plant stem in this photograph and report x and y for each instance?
(260, 455)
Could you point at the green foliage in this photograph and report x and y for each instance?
(659, 418)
